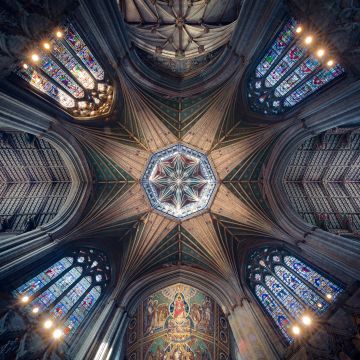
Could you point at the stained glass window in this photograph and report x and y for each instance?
(289, 72)
(64, 69)
(67, 291)
(288, 289)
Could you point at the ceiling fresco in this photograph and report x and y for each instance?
(180, 323)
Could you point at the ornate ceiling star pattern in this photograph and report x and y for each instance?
(179, 181)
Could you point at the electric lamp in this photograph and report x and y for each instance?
(57, 334)
(25, 299)
(59, 34)
(296, 330)
(35, 57)
(306, 319)
(299, 29)
(35, 310)
(48, 324)
(320, 53)
(46, 46)
(329, 296)
(308, 40)
(330, 63)
(25, 66)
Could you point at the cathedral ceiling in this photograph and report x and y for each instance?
(215, 122)
(180, 37)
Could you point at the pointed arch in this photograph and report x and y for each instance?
(291, 69)
(61, 297)
(288, 289)
(63, 70)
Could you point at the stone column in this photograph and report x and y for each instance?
(248, 334)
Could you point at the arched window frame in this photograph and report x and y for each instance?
(261, 264)
(89, 269)
(262, 98)
(77, 85)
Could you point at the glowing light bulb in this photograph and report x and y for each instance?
(35, 310)
(308, 40)
(306, 319)
(329, 296)
(296, 330)
(46, 46)
(25, 66)
(48, 324)
(330, 63)
(59, 34)
(320, 53)
(35, 57)
(319, 305)
(25, 299)
(57, 334)
(299, 29)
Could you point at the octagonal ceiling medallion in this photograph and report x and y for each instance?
(179, 181)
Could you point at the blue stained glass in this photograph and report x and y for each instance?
(290, 303)
(308, 296)
(300, 73)
(74, 320)
(58, 288)
(324, 285)
(83, 52)
(282, 41)
(280, 318)
(56, 73)
(315, 83)
(71, 64)
(39, 281)
(39, 82)
(65, 304)
(293, 55)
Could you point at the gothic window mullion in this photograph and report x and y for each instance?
(334, 208)
(52, 282)
(277, 301)
(274, 65)
(286, 286)
(54, 82)
(63, 68)
(300, 83)
(20, 208)
(307, 283)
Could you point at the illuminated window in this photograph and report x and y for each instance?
(290, 71)
(288, 289)
(65, 293)
(64, 69)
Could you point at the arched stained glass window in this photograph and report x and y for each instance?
(288, 289)
(64, 68)
(294, 67)
(63, 294)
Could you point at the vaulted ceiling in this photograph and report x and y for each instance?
(211, 47)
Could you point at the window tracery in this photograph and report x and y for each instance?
(61, 296)
(64, 69)
(321, 181)
(34, 182)
(288, 289)
(291, 70)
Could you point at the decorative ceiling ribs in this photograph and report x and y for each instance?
(179, 28)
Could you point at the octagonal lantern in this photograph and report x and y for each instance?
(179, 181)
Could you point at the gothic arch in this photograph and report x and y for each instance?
(41, 239)
(300, 233)
(88, 274)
